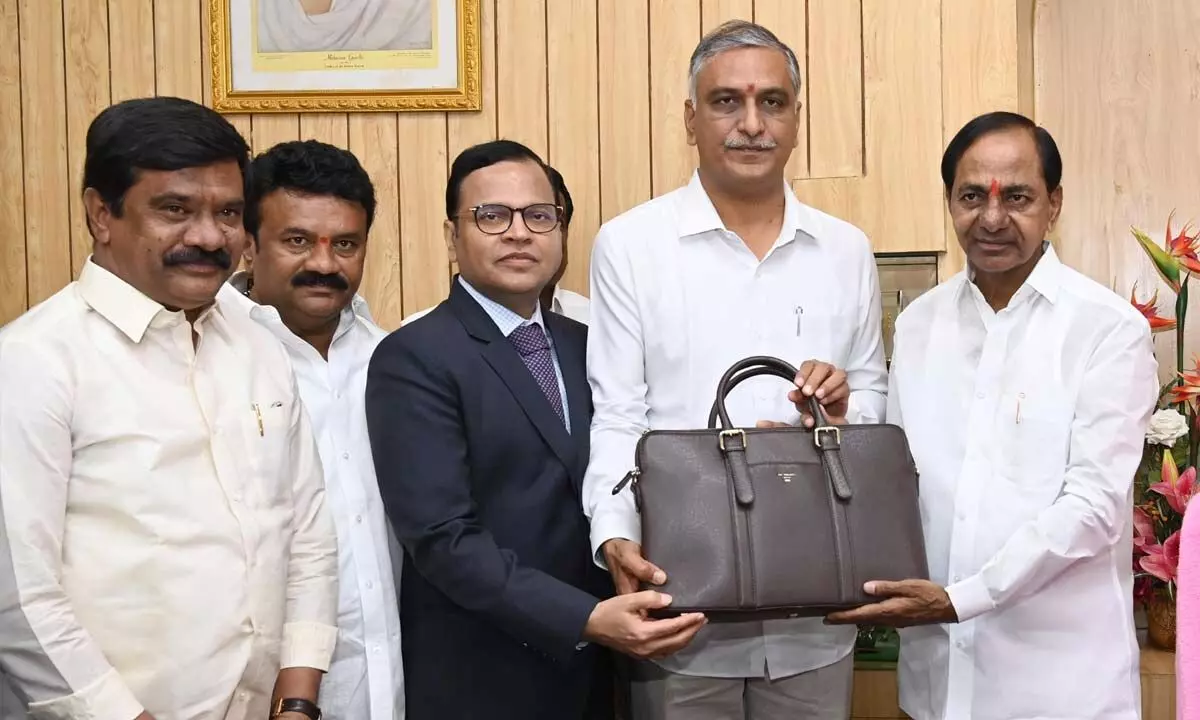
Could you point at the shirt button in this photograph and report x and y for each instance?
(337, 394)
(979, 395)
(345, 456)
(358, 519)
(370, 585)
(957, 578)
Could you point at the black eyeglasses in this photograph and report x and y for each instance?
(495, 219)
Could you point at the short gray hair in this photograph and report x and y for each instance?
(733, 35)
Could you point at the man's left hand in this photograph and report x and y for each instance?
(828, 384)
(909, 602)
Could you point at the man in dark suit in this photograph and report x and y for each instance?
(479, 415)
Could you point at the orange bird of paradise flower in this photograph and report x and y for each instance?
(1149, 310)
(1189, 390)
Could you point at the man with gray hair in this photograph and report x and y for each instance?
(754, 272)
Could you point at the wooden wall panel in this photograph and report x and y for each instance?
(373, 138)
(835, 97)
(715, 12)
(675, 30)
(1116, 88)
(421, 186)
(788, 19)
(44, 142)
(13, 298)
(332, 128)
(624, 106)
(132, 48)
(521, 103)
(270, 129)
(87, 75)
(578, 81)
(571, 40)
(975, 34)
(178, 56)
(897, 202)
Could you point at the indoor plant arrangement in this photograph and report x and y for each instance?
(1166, 478)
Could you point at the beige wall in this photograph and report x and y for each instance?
(1118, 85)
(886, 82)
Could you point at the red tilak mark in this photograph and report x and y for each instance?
(322, 240)
(750, 88)
(994, 191)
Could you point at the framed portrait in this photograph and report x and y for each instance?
(345, 55)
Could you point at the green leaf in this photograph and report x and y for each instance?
(1166, 265)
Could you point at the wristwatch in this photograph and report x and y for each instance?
(296, 705)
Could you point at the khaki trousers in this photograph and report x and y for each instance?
(821, 694)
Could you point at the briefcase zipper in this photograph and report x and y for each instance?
(630, 477)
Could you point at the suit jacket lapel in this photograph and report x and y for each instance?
(573, 361)
(504, 359)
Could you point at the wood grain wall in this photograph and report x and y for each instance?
(1118, 85)
(595, 86)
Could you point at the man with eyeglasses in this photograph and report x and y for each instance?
(554, 298)
(479, 416)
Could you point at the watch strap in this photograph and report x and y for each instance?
(297, 705)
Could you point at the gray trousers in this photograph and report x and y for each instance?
(821, 694)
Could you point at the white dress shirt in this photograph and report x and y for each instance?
(677, 299)
(564, 302)
(1027, 426)
(165, 542)
(365, 680)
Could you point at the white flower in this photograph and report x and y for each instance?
(1166, 426)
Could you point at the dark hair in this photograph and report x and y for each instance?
(994, 122)
(161, 133)
(310, 167)
(478, 157)
(561, 195)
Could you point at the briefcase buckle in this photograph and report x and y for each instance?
(837, 436)
(736, 432)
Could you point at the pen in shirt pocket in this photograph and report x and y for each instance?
(258, 416)
(799, 312)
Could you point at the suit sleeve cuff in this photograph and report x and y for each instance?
(308, 645)
(970, 598)
(108, 698)
(614, 522)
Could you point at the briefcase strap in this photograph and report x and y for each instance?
(826, 436)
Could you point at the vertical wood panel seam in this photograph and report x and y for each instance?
(650, 90)
(808, 105)
(496, 62)
(66, 154)
(24, 175)
(546, 55)
(399, 239)
(108, 47)
(599, 137)
(862, 81)
(154, 42)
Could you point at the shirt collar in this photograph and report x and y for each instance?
(239, 286)
(698, 215)
(505, 319)
(1045, 280)
(123, 305)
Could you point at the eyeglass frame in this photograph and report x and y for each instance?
(512, 214)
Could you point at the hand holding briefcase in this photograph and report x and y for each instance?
(761, 523)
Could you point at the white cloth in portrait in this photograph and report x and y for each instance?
(348, 25)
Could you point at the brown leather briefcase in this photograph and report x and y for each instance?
(761, 523)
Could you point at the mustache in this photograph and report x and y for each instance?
(308, 278)
(744, 143)
(192, 255)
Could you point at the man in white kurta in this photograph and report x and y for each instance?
(344, 25)
(1025, 390)
(165, 550)
(309, 209)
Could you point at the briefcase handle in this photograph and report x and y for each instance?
(754, 367)
(826, 436)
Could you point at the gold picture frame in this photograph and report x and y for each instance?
(294, 81)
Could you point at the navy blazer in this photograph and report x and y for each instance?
(481, 482)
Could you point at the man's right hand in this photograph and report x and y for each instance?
(621, 624)
(628, 567)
